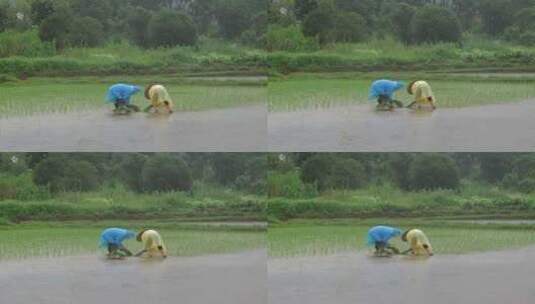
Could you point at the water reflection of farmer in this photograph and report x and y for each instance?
(113, 238)
(152, 244)
(423, 95)
(418, 241)
(383, 91)
(379, 237)
(120, 95)
(159, 98)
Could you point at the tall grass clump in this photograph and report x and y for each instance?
(26, 44)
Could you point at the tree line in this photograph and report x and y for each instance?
(302, 174)
(145, 23)
(302, 24)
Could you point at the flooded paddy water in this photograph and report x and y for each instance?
(229, 278)
(480, 278)
(237, 129)
(501, 127)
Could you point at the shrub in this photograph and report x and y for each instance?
(137, 22)
(432, 24)
(55, 28)
(169, 28)
(21, 188)
(401, 18)
(27, 44)
(433, 171)
(130, 171)
(164, 172)
(288, 185)
(291, 38)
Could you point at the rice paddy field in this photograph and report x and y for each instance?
(302, 91)
(324, 238)
(54, 239)
(52, 95)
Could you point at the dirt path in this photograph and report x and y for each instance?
(504, 128)
(241, 129)
(484, 278)
(221, 279)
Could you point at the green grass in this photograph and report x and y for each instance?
(39, 95)
(470, 201)
(313, 91)
(306, 238)
(61, 239)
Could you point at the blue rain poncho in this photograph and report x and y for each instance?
(121, 92)
(382, 234)
(384, 87)
(115, 236)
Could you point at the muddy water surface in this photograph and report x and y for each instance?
(503, 127)
(220, 279)
(483, 278)
(241, 129)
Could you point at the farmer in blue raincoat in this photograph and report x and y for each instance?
(383, 91)
(113, 238)
(379, 237)
(120, 95)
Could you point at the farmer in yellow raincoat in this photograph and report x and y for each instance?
(418, 242)
(159, 98)
(152, 244)
(423, 95)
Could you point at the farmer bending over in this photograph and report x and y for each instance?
(113, 238)
(159, 97)
(383, 91)
(120, 95)
(379, 236)
(152, 244)
(423, 95)
(418, 242)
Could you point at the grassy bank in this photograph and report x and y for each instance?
(388, 55)
(120, 204)
(122, 58)
(304, 238)
(78, 238)
(471, 201)
(452, 90)
(189, 93)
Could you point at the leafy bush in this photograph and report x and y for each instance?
(349, 27)
(317, 170)
(21, 188)
(432, 24)
(137, 22)
(55, 28)
(169, 28)
(433, 171)
(288, 185)
(164, 172)
(130, 171)
(291, 38)
(319, 24)
(27, 44)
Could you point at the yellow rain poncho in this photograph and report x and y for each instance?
(151, 241)
(419, 243)
(159, 97)
(423, 95)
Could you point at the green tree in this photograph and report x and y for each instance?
(4, 16)
(303, 7)
(233, 18)
(55, 28)
(317, 170)
(85, 32)
(168, 28)
(137, 24)
(494, 166)
(432, 24)
(163, 172)
(496, 15)
(347, 173)
(350, 27)
(433, 171)
(319, 23)
(61, 173)
(131, 171)
(40, 10)
(401, 19)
